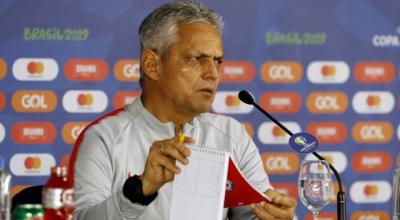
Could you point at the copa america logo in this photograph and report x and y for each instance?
(303, 142)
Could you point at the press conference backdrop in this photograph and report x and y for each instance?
(330, 68)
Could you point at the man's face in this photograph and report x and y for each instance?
(190, 70)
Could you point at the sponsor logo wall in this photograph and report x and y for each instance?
(336, 76)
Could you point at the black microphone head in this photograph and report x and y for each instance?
(245, 97)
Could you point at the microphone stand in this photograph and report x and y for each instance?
(341, 196)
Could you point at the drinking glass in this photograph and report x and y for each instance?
(315, 185)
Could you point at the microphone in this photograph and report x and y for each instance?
(245, 97)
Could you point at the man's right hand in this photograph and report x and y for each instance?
(161, 166)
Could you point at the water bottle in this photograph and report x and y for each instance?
(396, 194)
(5, 192)
(58, 196)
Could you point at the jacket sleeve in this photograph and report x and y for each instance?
(94, 198)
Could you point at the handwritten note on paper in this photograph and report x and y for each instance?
(199, 190)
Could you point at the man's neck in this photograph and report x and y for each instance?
(167, 114)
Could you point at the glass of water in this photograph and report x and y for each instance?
(315, 185)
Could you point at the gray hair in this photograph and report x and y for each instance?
(158, 30)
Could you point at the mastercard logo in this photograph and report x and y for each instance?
(232, 101)
(328, 132)
(280, 162)
(281, 72)
(370, 132)
(227, 102)
(372, 162)
(34, 101)
(31, 164)
(322, 216)
(71, 131)
(2, 101)
(249, 128)
(237, 71)
(289, 189)
(3, 68)
(370, 215)
(127, 70)
(86, 70)
(269, 133)
(373, 102)
(328, 72)
(281, 102)
(374, 72)
(33, 133)
(370, 191)
(122, 98)
(327, 102)
(35, 69)
(85, 101)
(278, 132)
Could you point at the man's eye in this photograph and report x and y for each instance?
(218, 61)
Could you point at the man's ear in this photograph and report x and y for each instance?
(151, 64)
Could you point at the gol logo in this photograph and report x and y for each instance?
(123, 98)
(35, 67)
(328, 70)
(237, 71)
(249, 128)
(232, 101)
(3, 69)
(370, 215)
(372, 162)
(280, 163)
(322, 216)
(372, 132)
(328, 132)
(34, 101)
(281, 102)
(327, 102)
(86, 70)
(289, 189)
(33, 133)
(374, 72)
(281, 72)
(2, 101)
(71, 131)
(84, 99)
(32, 163)
(127, 70)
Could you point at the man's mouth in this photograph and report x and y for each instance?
(208, 91)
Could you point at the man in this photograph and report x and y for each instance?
(126, 161)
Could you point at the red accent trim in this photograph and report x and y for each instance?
(75, 150)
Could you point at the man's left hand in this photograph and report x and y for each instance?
(280, 207)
